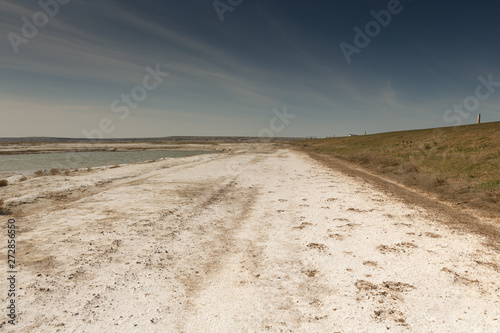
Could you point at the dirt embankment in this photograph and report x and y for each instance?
(456, 164)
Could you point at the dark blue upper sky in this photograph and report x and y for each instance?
(83, 72)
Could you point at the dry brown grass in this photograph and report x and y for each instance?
(52, 172)
(23, 178)
(3, 210)
(40, 173)
(458, 164)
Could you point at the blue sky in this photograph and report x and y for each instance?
(226, 77)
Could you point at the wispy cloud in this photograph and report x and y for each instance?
(389, 97)
(268, 55)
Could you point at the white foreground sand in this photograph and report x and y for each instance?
(266, 240)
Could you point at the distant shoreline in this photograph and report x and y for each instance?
(64, 162)
(162, 140)
(85, 147)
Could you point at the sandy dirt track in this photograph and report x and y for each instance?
(262, 240)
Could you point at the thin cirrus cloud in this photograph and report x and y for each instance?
(226, 77)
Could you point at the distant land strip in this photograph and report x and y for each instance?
(186, 139)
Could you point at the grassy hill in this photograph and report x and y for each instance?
(460, 164)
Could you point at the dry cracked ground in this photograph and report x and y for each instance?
(262, 240)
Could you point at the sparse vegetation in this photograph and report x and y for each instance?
(408, 167)
(459, 164)
(52, 172)
(3, 182)
(23, 178)
(40, 173)
(114, 166)
(439, 181)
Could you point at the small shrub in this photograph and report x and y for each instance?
(439, 181)
(55, 171)
(361, 158)
(40, 173)
(492, 197)
(89, 169)
(491, 185)
(65, 171)
(464, 190)
(386, 161)
(23, 178)
(3, 182)
(409, 168)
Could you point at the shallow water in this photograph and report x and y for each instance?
(28, 163)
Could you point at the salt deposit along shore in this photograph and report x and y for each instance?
(264, 239)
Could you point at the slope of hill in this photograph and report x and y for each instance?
(459, 164)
